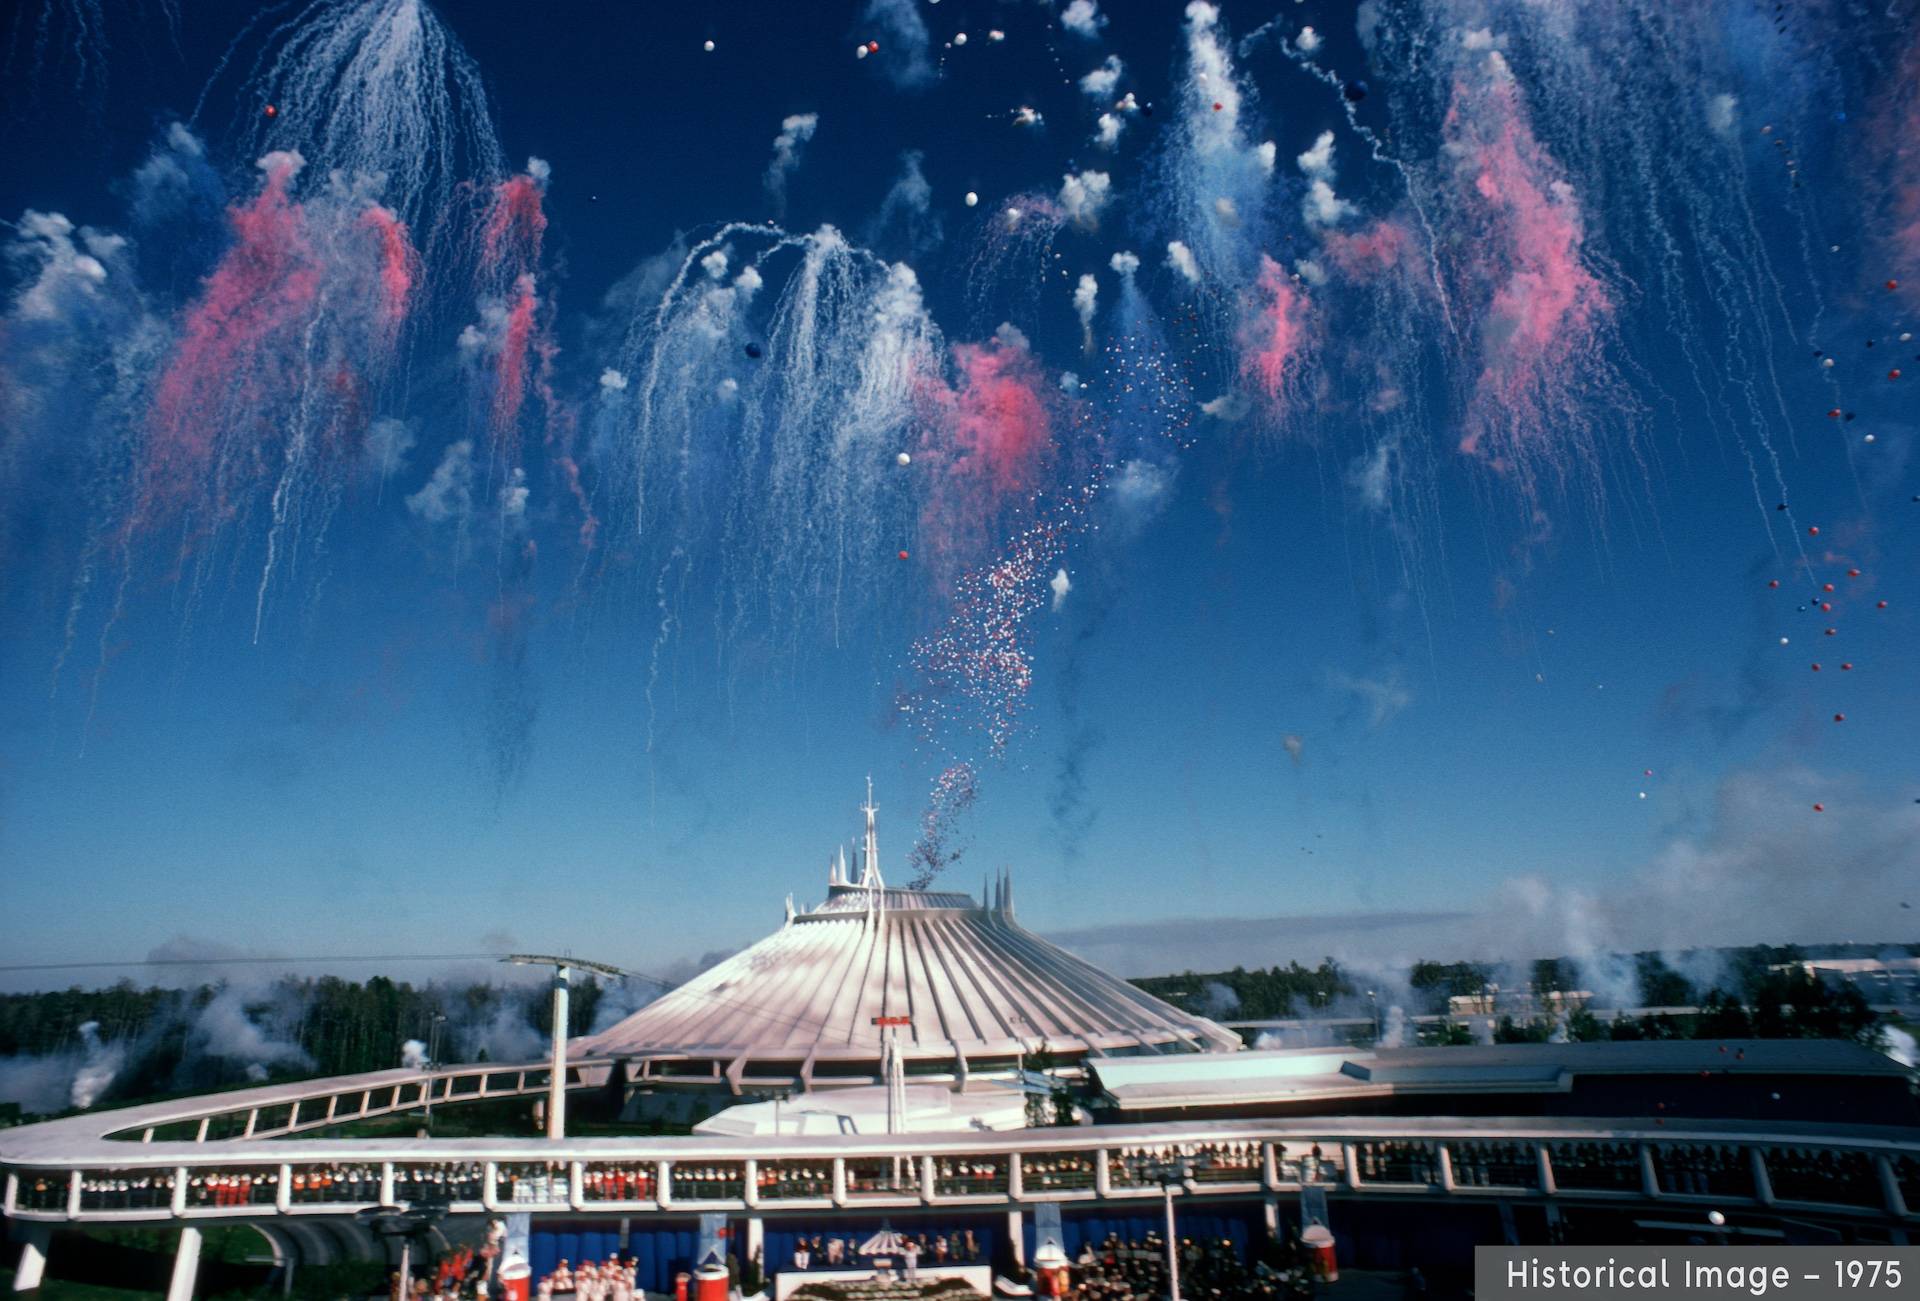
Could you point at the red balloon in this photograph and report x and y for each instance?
(1217, 106)
(903, 555)
(1816, 668)
(1893, 374)
(873, 47)
(1826, 587)
(1893, 284)
(1834, 414)
(1773, 583)
(1819, 808)
(1832, 632)
(1881, 605)
(1846, 666)
(1839, 718)
(1853, 573)
(272, 111)
(1813, 530)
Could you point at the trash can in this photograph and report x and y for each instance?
(710, 1283)
(1319, 1240)
(515, 1277)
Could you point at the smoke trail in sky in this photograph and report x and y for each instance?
(985, 441)
(71, 38)
(762, 449)
(268, 389)
(374, 89)
(941, 842)
(1014, 258)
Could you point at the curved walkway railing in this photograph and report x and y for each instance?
(184, 1163)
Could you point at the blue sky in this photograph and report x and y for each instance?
(1272, 691)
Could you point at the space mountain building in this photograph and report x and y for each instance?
(965, 990)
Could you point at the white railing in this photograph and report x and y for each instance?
(1828, 1170)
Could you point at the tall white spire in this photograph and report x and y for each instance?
(870, 865)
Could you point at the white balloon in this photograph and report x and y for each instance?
(972, 198)
(708, 47)
(904, 459)
(860, 51)
(959, 38)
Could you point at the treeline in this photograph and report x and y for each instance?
(1756, 993)
(164, 1041)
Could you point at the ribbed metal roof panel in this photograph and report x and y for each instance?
(972, 979)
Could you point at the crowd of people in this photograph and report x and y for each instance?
(612, 1279)
(1702, 1170)
(917, 1249)
(1835, 1178)
(1136, 1270)
(1608, 1167)
(463, 1274)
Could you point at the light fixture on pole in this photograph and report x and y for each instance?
(433, 1060)
(894, 1070)
(562, 983)
(405, 1222)
(1173, 1171)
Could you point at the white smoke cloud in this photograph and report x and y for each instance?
(905, 58)
(1140, 488)
(1266, 153)
(1083, 18)
(448, 495)
(1217, 1000)
(1108, 128)
(1027, 115)
(1060, 585)
(1307, 41)
(1295, 745)
(715, 264)
(1181, 259)
(612, 381)
(1125, 263)
(68, 272)
(1370, 476)
(388, 442)
(1481, 38)
(1228, 407)
(1310, 271)
(1083, 195)
(1009, 335)
(1103, 80)
(99, 1065)
(1085, 295)
(1322, 207)
(908, 199)
(540, 170)
(513, 495)
(413, 1055)
(1069, 382)
(1384, 696)
(1318, 161)
(1720, 113)
(795, 131)
(229, 1028)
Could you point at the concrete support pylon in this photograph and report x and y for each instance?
(34, 1242)
(186, 1265)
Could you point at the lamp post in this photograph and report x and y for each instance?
(405, 1222)
(1172, 1171)
(562, 984)
(433, 1060)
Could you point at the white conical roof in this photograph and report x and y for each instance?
(974, 982)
